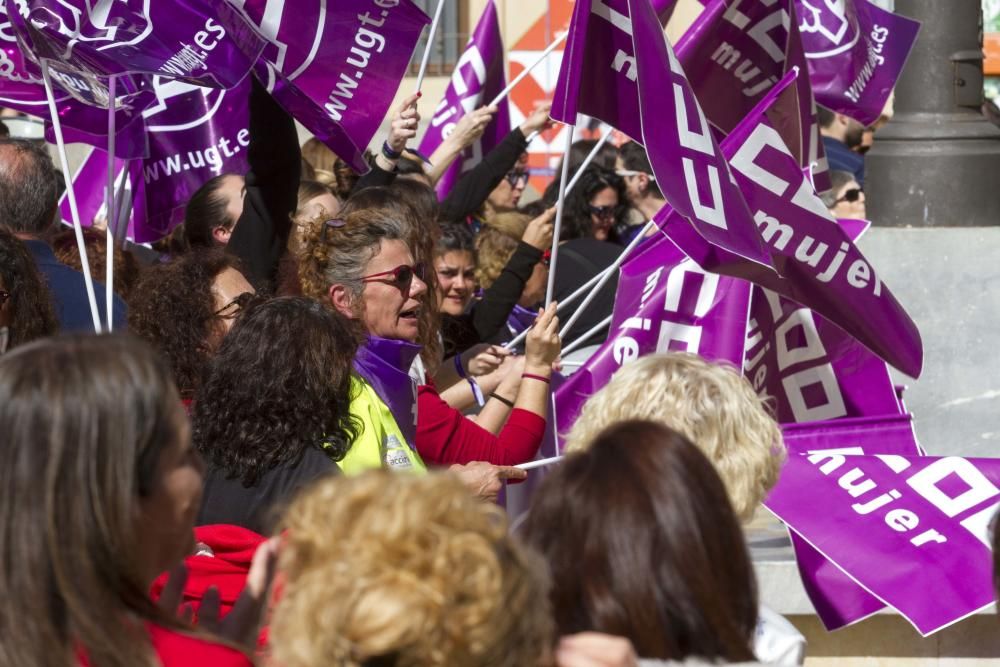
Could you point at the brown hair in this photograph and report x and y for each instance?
(32, 310)
(126, 267)
(173, 310)
(496, 243)
(85, 419)
(409, 571)
(329, 169)
(642, 542)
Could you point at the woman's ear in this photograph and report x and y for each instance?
(341, 299)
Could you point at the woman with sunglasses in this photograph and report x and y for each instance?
(26, 307)
(845, 198)
(361, 265)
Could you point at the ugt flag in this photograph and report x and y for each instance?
(335, 66)
(618, 67)
(856, 51)
(478, 78)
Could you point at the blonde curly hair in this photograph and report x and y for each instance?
(406, 571)
(710, 403)
(496, 243)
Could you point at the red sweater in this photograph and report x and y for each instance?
(175, 649)
(445, 436)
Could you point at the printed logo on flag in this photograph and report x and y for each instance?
(94, 22)
(828, 19)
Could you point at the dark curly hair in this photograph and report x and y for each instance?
(30, 305)
(280, 383)
(172, 309)
(577, 222)
(126, 266)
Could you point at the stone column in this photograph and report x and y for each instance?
(937, 163)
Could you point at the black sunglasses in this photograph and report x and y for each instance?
(400, 277)
(4, 295)
(235, 307)
(517, 178)
(852, 195)
(603, 212)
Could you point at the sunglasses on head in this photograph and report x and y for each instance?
(852, 195)
(235, 307)
(517, 178)
(603, 212)
(400, 277)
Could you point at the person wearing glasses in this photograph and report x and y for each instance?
(361, 265)
(185, 308)
(641, 190)
(845, 198)
(26, 308)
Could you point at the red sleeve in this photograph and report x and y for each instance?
(179, 650)
(445, 436)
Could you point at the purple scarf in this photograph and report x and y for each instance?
(385, 365)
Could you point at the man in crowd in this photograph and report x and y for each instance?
(29, 202)
(841, 134)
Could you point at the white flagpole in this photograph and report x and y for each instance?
(557, 228)
(580, 291)
(109, 203)
(578, 343)
(605, 278)
(539, 463)
(430, 44)
(590, 158)
(517, 79)
(70, 194)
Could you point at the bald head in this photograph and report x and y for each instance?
(29, 187)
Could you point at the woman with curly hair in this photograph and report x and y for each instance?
(26, 309)
(184, 309)
(272, 416)
(401, 570)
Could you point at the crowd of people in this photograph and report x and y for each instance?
(290, 449)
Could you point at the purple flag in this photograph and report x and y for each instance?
(195, 134)
(197, 41)
(839, 601)
(734, 55)
(809, 369)
(20, 86)
(888, 521)
(478, 78)
(385, 365)
(335, 67)
(856, 51)
(819, 265)
(664, 302)
(619, 67)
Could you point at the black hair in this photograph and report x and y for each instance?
(577, 222)
(455, 236)
(634, 158)
(206, 211)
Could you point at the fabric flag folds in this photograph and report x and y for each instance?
(819, 265)
(856, 51)
(478, 78)
(665, 302)
(336, 67)
(735, 53)
(619, 67)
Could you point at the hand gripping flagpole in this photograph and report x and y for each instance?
(109, 203)
(70, 194)
(557, 228)
(430, 44)
(517, 79)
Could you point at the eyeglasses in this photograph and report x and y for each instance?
(235, 307)
(603, 212)
(4, 295)
(517, 179)
(852, 195)
(400, 277)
